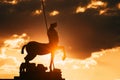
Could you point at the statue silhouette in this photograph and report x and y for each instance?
(34, 48)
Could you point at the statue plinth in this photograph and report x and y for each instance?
(29, 71)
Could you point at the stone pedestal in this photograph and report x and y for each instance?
(29, 71)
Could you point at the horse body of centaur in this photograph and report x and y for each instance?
(34, 48)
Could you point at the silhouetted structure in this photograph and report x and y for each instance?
(29, 71)
(34, 48)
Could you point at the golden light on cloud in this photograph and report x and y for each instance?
(37, 12)
(95, 4)
(54, 13)
(13, 2)
(16, 41)
(101, 12)
(80, 9)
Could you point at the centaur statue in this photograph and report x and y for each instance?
(34, 48)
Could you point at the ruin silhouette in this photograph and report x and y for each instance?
(29, 71)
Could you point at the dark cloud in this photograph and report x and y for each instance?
(16, 18)
(26, 6)
(84, 32)
(92, 33)
(112, 3)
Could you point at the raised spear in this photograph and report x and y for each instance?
(44, 14)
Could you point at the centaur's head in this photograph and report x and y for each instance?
(53, 25)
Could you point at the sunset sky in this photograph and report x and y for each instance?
(86, 28)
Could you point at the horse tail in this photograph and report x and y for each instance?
(22, 51)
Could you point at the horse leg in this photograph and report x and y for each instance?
(52, 62)
(29, 57)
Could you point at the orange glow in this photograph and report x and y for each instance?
(118, 5)
(54, 13)
(80, 9)
(95, 4)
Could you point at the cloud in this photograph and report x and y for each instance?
(96, 4)
(27, 7)
(101, 65)
(8, 64)
(9, 61)
(17, 40)
(12, 2)
(112, 3)
(101, 7)
(37, 12)
(54, 13)
(80, 9)
(19, 7)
